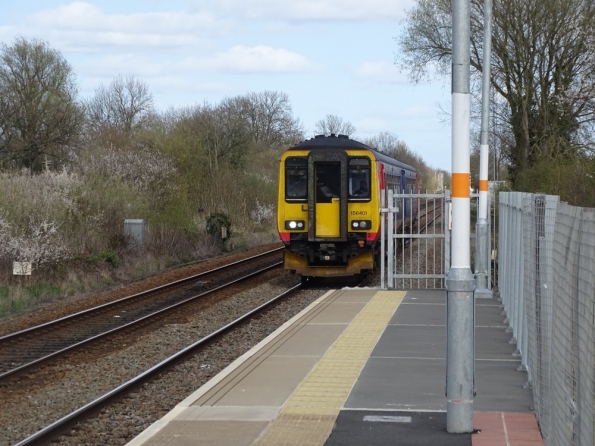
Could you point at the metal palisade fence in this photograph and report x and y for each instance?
(418, 244)
(546, 279)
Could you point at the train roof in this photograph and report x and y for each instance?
(344, 142)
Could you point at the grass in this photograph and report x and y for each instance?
(93, 273)
(18, 298)
(107, 255)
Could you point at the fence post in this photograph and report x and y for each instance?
(383, 252)
(391, 239)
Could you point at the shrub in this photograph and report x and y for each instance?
(107, 255)
(572, 180)
(264, 213)
(215, 224)
(39, 244)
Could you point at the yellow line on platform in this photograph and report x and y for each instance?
(308, 416)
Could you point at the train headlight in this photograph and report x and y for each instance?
(361, 225)
(294, 224)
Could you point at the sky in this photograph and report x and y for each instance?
(329, 56)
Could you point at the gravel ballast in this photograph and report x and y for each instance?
(40, 398)
(36, 400)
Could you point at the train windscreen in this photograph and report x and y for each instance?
(296, 178)
(359, 178)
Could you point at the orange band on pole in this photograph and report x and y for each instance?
(483, 185)
(461, 184)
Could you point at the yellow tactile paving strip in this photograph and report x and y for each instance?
(308, 416)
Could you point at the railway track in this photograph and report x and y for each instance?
(89, 377)
(56, 392)
(53, 430)
(23, 351)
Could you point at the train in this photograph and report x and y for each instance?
(329, 199)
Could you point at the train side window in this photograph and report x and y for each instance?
(359, 178)
(296, 179)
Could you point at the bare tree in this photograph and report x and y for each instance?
(124, 105)
(39, 117)
(270, 119)
(390, 144)
(333, 124)
(386, 142)
(543, 57)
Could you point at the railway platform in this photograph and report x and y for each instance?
(357, 367)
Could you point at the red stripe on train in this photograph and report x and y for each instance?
(371, 236)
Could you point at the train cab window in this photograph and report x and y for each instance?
(359, 178)
(296, 179)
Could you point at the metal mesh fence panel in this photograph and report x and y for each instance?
(573, 329)
(546, 279)
(586, 327)
(511, 271)
(538, 226)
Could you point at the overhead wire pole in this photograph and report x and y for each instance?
(460, 325)
(482, 227)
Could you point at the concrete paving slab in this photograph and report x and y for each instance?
(492, 343)
(488, 313)
(234, 413)
(433, 295)
(500, 387)
(271, 383)
(208, 433)
(424, 429)
(426, 313)
(400, 384)
(386, 383)
(412, 342)
(338, 312)
(290, 390)
(355, 295)
(407, 368)
(311, 340)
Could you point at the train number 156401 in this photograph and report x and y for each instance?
(359, 212)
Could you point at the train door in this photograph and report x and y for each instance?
(327, 195)
(328, 199)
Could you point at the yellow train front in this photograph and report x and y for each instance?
(328, 213)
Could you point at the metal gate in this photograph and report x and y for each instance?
(415, 240)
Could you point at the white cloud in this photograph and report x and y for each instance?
(257, 59)
(300, 10)
(83, 26)
(383, 72)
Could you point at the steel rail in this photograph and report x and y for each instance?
(28, 367)
(50, 432)
(89, 311)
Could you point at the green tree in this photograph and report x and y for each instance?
(40, 119)
(543, 60)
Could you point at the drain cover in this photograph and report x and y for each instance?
(387, 419)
